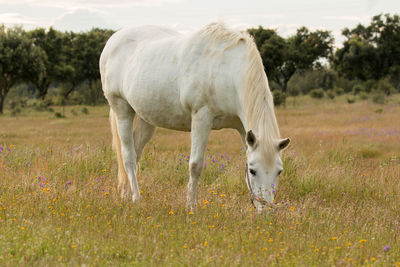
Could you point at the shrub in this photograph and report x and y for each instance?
(15, 111)
(58, 115)
(357, 89)
(338, 90)
(351, 100)
(330, 94)
(317, 93)
(303, 81)
(379, 98)
(294, 91)
(344, 83)
(386, 87)
(363, 95)
(279, 98)
(42, 104)
(85, 110)
(370, 85)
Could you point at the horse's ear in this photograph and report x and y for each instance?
(251, 139)
(283, 144)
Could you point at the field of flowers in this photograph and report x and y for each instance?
(337, 202)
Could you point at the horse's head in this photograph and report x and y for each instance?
(261, 173)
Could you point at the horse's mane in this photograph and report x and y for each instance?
(258, 102)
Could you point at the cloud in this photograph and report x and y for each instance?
(285, 29)
(347, 18)
(11, 19)
(90, 4)
(82, 20)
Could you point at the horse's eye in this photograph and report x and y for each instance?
(279, 172)
(253, 172)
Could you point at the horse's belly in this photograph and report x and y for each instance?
(167, 119)
(161, 108)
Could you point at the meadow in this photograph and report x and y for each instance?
(337, 202)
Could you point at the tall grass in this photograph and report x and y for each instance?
(337, 203)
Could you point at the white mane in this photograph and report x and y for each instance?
(258, 101)
(259, 105)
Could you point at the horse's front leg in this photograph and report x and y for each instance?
(200, 130)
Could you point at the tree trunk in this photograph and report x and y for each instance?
(2, 98)
(42, 92)
(42, 89)
(284, 85)
(69, 91)
(3, 93)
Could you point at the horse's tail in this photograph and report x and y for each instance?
(116, 144)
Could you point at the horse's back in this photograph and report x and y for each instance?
(121, 46)
(165, 76)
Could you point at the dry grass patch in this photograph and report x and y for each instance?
(337, 201)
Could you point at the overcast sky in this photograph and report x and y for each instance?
(188, 15)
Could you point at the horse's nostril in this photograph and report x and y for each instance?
(279, 172)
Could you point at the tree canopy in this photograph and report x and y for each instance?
(370, 52)
(47, 58)
(283, 57)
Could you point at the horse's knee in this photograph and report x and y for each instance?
(195, 168)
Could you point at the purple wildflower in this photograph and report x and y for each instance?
(386, 248)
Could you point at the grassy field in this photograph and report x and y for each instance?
(338, 199)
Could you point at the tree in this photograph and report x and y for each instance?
(370, 52)
(358, 59)
(20, 60)
(283, 57)
(84, 55)
(54, 44)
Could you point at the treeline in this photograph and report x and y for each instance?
(307, 63)
(49, 59)
(62, 67)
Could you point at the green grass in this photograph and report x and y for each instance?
(337, 198)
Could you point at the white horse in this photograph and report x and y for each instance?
(211, 79)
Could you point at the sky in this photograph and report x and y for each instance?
(189, 15)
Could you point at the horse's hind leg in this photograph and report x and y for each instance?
(200, 130)
(124, 122)
(142, 135)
